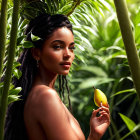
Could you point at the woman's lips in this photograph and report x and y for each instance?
(65, 65)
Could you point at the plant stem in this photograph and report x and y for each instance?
(3, 24)
(11, 54)
(75, 4)
(129, 42)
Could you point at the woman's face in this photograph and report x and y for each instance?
(57, 53)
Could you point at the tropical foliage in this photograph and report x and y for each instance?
(100, 60)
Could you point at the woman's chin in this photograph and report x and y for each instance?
(64, 73)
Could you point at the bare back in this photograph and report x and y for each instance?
(47, 118)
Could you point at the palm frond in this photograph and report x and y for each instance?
(34, 8)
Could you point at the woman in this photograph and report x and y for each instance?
(40, 114)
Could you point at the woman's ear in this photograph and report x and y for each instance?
(35, 53)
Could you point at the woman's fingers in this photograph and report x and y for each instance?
(105, 109)
(94, 113)
(101, 110)
(104, 117)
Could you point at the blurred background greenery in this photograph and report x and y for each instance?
(100, 60)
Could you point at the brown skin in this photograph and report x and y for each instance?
(45, 116)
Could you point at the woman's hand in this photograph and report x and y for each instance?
(99, 122)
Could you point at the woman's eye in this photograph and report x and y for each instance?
(57, 47)
(72, 48)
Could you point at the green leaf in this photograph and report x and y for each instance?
(27, 44)
(129, 123)
(98, 71)
(15, 91)
(13, 95)
(88, 83)
(20, 39)
(17, 73)
(35, 38)
(124, 91)
(16, 64)
(13, 98)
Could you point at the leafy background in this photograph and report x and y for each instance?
(100, 60)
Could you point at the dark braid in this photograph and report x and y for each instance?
(66, 83)
(63, 90)
(60, 85)
(42, 26)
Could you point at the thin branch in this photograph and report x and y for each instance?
(75, 4)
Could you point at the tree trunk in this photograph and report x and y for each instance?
(129, 42)
(11, 54)
(3, 24)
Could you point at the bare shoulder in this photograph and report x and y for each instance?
(46, 105)
(43, 95)
(44, 91)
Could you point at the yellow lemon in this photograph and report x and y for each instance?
(99, 97)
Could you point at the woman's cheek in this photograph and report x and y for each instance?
(73, 57)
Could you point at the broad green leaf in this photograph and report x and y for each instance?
(129, 123)
(89, 82)
(95, 70)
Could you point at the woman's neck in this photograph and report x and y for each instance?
(46, 78)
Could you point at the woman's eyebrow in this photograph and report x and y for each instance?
(73, 43)
(62, 42)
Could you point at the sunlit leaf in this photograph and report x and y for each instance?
(95, 70)
(15, 91)
(88, 83)
(13, 98)
(129, 123)
(17, 73)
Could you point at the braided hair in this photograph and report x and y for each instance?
(43, 27)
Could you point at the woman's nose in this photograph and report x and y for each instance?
(66, 53)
